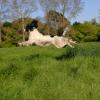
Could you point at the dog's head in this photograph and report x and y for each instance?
(30, 27)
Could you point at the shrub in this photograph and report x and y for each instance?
(78, 36)
(5, 44)
(7, 24)
(90, 38)
(87, 31)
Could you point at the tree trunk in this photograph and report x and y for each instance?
(23, 30)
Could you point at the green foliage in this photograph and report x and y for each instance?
(6, 44)
(78, 36)
(86, 31)
(12, 32)
(7, 24)
(98, 33)
(90, 38)
(17, 24)
(37, 73)
(10, 37)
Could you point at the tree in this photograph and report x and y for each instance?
(93, 21)
(57, 21)
(66, 8)
(47, 5)
(21, 9)
(3, 14)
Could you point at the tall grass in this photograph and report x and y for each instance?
(37, 73)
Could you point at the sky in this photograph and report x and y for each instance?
(89, 11)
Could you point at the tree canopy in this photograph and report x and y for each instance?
(69, 8)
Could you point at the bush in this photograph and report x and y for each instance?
(6, 44)
(90, 38)
(78, 36)
(87, 31)
(7, 24)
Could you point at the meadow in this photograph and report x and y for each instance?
(48, 73)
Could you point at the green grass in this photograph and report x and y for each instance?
(48, 73)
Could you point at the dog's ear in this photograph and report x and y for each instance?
(34, 23)
(30, 27)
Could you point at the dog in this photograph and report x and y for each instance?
(37, 38)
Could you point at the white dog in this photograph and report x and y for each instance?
(35, 37)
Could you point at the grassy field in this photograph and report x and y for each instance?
(38, 73)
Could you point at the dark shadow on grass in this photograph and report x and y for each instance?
(30, 57)
(11, 69)
(68, 54)
(74, 72)
(71, 53)
(29, 76)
